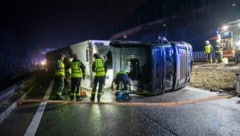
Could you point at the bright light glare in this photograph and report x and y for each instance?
(238, 43)
(225, 27)
(219, 37)
(43, 62)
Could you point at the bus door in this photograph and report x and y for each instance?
(133, 65)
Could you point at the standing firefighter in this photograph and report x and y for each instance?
(68, 75)
(100, 69)
(208, 49)
(59, 76)
(78, 73)
(218, 52)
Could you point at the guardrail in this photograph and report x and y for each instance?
(199, 56)
(8, 92)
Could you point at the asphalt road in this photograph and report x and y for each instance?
(185, 112)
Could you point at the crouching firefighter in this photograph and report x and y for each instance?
(122, 86)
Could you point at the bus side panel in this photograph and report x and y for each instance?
(189, 61)
(183, 64)
(180, 67)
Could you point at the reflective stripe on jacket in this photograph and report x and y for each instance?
(99, 67)
(61, 70)
(207, 49)
(76, 70)
(218, 48)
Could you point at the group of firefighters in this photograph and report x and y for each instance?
(73, 72)
(213, 52)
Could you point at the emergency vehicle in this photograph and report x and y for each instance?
(229, 38)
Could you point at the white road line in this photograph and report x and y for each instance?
(32, 128)
(7, 112)
(4, 94)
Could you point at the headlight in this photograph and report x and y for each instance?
(238, 43)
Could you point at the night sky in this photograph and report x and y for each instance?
(36, 25)
(29, 26)
(54, 23)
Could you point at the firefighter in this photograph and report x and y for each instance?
(100, 69)
(78, 73)
(208, 50)
(218, 52)
(121, 76)
(237, 54)
(122, 83)
(68, 75)
(59, 76)
(122, 86)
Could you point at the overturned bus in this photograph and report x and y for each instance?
(154, 67)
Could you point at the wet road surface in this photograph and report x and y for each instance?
(186, 112)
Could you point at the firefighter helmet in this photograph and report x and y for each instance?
(75, 56)
(95, 55)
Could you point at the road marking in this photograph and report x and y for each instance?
(6, 93)
(166, 104)
(32, 128)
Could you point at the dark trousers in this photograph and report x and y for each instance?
(75, 87)
(98, 81)
(218, 56)
(209, 57)
(59, 80)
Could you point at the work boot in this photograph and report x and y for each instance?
(92, 99)
(79, 99)
(59, 97)
(71, 98)
(98, 99)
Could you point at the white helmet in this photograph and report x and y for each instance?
(207, 42)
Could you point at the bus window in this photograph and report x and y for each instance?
(169, 68)
(133, 65)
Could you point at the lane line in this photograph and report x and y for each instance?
(7, 112)
(32, 128)
(6, 93)
(166, 104)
